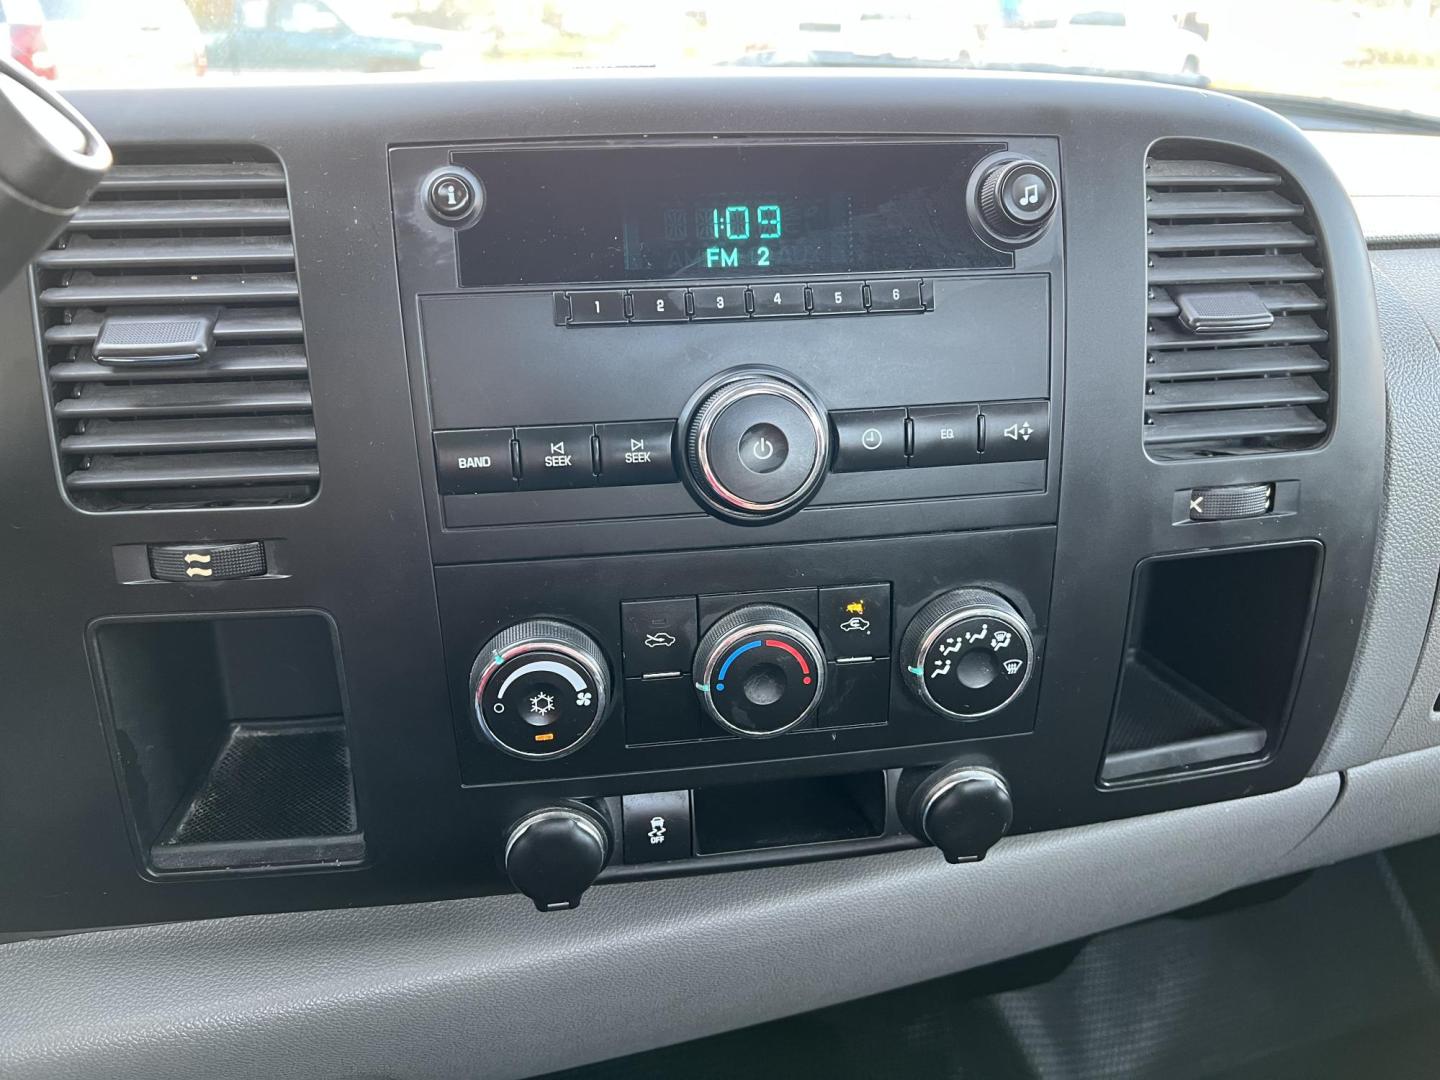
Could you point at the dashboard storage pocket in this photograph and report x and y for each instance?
(1212, 657)
(229, 736)
(782, 813)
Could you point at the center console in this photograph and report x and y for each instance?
(744, 468)
(711, 484)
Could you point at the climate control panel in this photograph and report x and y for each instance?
(612, 666)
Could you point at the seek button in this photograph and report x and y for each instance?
(637, 453)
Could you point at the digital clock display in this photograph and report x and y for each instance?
(730, 232)
(559, 216)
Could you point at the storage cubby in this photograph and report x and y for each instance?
(780, 813)
(229, 736)
(1213, 652)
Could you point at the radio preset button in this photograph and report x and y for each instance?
(1016, 431)
(896, 296)
(945, 435)
(555, 457)
(474, 462)
(658, 305)
(597, 307)
(772, 300)
(638, 452)
(719, 302)
(837, 298)
(867, 439)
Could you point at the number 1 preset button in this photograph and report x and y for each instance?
(598, 307)
(771, 300)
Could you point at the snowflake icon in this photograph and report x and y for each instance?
(542, 704)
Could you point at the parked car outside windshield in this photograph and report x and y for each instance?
(1377, 53)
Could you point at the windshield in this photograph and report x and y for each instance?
(1383, 53)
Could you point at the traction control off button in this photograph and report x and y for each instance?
(657, 826)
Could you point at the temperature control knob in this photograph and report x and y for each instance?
(756, 447)
(760, 671)
(967, 654)
(540, 689)
(1016, 200)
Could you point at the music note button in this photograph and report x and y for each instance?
(1029, 194)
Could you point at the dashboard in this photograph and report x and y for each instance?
(436, 492)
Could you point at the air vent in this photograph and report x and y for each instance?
(1238, 358)
(173, 340)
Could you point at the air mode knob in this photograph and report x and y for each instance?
(760, 671)
(756, 447)
(1016, 200)
(540, 689)
(967, 654)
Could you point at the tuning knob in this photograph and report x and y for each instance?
(967, 654)
(540, 689)
(554, 854)
(1016, 200)
(962, 809)
(756, 447)
(760, 671)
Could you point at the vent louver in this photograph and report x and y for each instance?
(1238, 359)
(198, 246)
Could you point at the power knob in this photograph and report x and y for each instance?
(756, 446)
(1015, 200)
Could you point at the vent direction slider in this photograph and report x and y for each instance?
(155, 338)
(1222, 311)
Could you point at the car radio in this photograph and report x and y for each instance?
(698, 349)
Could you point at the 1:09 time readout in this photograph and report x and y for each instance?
(726, 235)
(737, 237)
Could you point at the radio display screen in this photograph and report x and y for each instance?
(578, 215)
